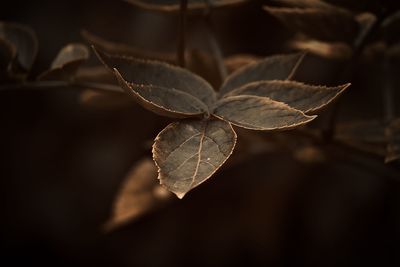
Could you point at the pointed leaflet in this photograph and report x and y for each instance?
(67, 62)
(259, 113)
(25, 44)
(280, 67)
(318, 23)
(188, 152)
(307, 98)
(164, 89)
(173, 5)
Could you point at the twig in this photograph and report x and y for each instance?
(182, 33)
(214, 45)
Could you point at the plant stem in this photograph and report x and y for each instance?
(182, 33)
(214, 45)
(52, 84)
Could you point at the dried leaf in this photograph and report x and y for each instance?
(138, 194)
(25, 42)
(318, 23)
(199, 62)
(259, 113)
(164, 89)
(67, 62)
(279, 67)
(173, 5)
(393, 141)
(329, 50)
(307, 98)
(188, 152)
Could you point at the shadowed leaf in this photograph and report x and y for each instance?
(67, 62)
(318, 23)
(259, 113)
(187, 153)
(173, 5)
(25, 45)
(236, 62)
(279, 67)
(307, 98)
(7, 53)
(393, 141)
(138, 194)
(366, 136)
(307, 4)
(164, 89)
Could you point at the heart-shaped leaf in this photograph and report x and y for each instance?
(307, 98)
(280, 67)
(318, 23)
(173, 5)
(259, 113)
(188, 152)
(164, 89)
(67, 62)
(25, 45)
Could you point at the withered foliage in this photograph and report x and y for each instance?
(212, 96)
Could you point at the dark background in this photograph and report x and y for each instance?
(62, 164)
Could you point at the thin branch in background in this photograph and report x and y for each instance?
(182, 33)
(213, 42)
(63, 84)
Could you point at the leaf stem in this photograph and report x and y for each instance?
(182, 33)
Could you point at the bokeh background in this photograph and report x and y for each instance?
(62, 164)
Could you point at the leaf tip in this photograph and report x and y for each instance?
(180, 195)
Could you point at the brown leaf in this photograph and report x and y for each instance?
(197, 61)
(173, 5)
(138, 194)
(280, 67)
(259, 113)
(329, 50)
(189, 152)
(164, 89)
(25, 44)
(318, 23)
(67, 62)
(307, 98)
(393, 141)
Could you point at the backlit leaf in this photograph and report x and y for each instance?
(259, 113)
(173, 5)
(280, 67)
(307, 98)
(67, 62)
(162, 88)
(25, 42)
(188, 152)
